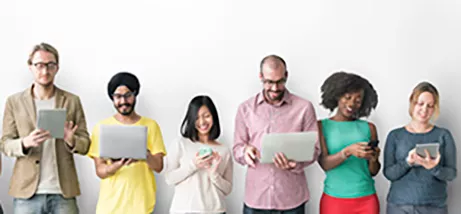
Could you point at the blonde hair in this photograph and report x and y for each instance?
(43, 47)
(418, 90)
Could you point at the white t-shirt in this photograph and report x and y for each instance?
(49, 179)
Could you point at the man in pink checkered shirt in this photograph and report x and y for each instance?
(280, 187)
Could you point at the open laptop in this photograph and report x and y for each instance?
(123, 141)
(297, 146)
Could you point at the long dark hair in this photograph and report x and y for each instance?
(188, 124)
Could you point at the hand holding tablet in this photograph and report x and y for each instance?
(427, 155)
(431, 148)
(36, 138)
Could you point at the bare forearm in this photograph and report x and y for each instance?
(155, 162)
(332, 161)
(103, 171)
(374, 167)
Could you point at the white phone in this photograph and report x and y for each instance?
(432, 148)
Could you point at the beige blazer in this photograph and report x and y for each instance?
(19, 121)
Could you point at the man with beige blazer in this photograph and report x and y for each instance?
(44, 178)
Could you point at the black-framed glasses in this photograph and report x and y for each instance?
(45, 65)
(275, 82)
(126, 95)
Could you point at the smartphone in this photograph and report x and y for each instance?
(373, 144)
(205, 151)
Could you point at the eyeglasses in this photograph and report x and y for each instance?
(48, 65)
(126, 95)
(272, 82)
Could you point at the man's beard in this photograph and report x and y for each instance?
(128, 111)
(277, 98)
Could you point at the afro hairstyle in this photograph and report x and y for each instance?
(341, 83)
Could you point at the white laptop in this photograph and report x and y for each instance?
(297, 146)
(52, 120)
(123, 141)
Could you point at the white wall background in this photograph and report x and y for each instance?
(182, 48)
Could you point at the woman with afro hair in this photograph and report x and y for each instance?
(349, 146)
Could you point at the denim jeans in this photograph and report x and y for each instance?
(410, 209)
(45, 204)
(297, 210)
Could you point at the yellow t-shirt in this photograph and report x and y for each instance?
(132, 188)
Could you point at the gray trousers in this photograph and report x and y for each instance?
(410, 209)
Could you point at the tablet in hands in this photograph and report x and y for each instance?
(52, 120)
(432, 148)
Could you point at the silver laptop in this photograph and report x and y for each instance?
(52, 120)
(123, 141)
(297, 146)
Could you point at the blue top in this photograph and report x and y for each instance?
(415, 185)
(352, 178)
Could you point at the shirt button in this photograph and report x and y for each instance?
(37, 161)
(272, 187)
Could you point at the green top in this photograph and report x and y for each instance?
(352, 178)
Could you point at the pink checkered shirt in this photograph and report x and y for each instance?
(266, 186)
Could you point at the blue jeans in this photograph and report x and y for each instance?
(297, 210)
(410, 209)
(45, 204)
